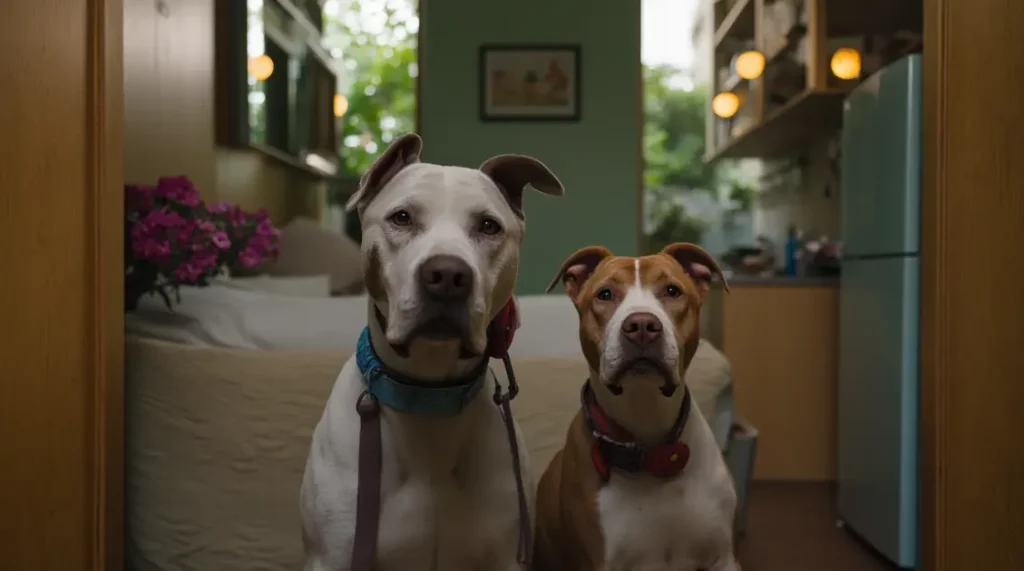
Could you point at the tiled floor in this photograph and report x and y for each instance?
(792, 527)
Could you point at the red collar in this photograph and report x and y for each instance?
(501, 330)
(614, 447)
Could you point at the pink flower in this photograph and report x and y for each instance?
(266, 228)
(179, 189)
(259, 243)
(164, 217)
(235, 215)
(249, 257)
(221, 240)
(187, 273)
(205, 260)
(186, 231)
(220, 207)
(151, 249)
(175, 239)
(149, 238)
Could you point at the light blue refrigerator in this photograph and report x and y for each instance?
(879, 311)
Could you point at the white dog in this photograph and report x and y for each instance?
(440, 258)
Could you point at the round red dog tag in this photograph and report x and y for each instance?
(668, 459)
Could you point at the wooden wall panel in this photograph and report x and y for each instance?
(972, 361)
(61, 326)
(168, 87)
(169, 115)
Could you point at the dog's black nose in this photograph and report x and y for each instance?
(642, 328)
(446, 278)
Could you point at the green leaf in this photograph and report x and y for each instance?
(674, 148)
(382, 94)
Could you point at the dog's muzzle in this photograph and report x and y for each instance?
(643, 353)
(446, 285)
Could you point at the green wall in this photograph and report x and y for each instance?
(597, 159)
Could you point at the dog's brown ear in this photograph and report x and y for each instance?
(400, 154)
(577, 268)
(513, 172)
(700, 265)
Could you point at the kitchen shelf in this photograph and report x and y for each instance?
(860, 17)
(808, 117)
(732, 83)
(796, 33)
(737, 23)
(815, 113)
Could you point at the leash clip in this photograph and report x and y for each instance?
(513, 386)
(367, 404)
(504, 400)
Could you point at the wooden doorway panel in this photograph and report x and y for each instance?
(61, 268)
(60, 290)
(972, 385)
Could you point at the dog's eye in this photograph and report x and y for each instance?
(673, 291)
(605, 294)
(489, 226)
(401, 218)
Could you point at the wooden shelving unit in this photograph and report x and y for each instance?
(813, 112)
(736, 21)
(855, 17)
(797, 124)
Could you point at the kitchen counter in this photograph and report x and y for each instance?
(780, 335)
(784, 281)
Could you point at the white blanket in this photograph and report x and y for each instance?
(217, 440)
(219, 419)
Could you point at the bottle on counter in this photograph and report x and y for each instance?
(792, 251)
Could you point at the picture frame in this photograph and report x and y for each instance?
(535, 82)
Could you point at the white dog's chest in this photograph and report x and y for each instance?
(438, 525)
(448, 493)
(650, 525)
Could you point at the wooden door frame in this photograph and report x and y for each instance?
(943, 263)
(972, 339)
(106, 283)
(61, 380)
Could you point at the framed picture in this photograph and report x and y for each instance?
(529, 83)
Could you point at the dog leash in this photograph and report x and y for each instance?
(364, 545)
(504, 402)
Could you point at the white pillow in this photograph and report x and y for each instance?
(223, 316)
(298, 286)
(228, 315)
(308, 249)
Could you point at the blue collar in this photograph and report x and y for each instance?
(405, 394)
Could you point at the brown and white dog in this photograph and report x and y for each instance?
(641, 483)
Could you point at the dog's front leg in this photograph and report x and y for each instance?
(727, 564)
(315, 563)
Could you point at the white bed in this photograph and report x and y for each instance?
(226, 315)
(223, 394)
(296, 314)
